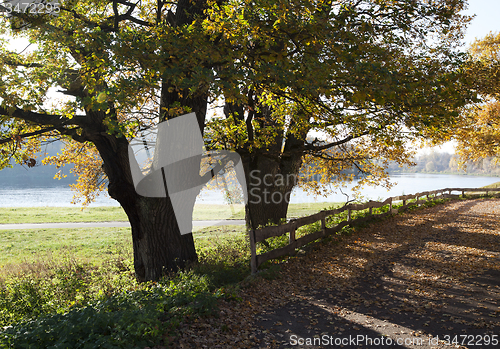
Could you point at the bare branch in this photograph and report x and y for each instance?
(27, 135)
(311, 146)
(42, 119)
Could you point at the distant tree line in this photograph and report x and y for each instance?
(436, 162)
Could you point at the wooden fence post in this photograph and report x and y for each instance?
(291, 236)
(253, 251)
(323, 224)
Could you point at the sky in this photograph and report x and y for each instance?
(487, 18)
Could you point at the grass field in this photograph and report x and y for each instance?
(107, 214)
(87, 275)
(494, 185)
(36, 249)
(60, 214)
(89, 244)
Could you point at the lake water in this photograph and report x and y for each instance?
(406, 184)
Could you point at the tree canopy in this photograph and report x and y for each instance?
(478, 136)
(337, 86)
(369, 75)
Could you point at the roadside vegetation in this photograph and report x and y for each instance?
(77, 286)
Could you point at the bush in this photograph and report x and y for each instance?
(73, 303)
(129, 319)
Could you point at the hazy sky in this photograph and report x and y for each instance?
(487, 18)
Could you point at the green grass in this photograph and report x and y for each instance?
(494, 185)
(106, 214)
(68, 287)
(60, 214)
(307, 209)
(210, 212)
(88, 244)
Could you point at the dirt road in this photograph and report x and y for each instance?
(429, 278)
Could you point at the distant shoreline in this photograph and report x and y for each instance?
(449, 174)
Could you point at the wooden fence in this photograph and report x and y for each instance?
(259, 235)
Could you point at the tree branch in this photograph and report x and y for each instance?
(72, 132)
(27, 135)
(311, 146)
(26, 65)
(41, 119)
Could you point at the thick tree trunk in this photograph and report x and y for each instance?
(270, 183)
(271, 174)
(159, 248)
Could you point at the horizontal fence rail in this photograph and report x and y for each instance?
(291, 227)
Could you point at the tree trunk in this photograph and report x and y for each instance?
(271, 174)
(270, 183)
(159, 248)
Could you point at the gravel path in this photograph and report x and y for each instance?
(70, 225)
(429, 278)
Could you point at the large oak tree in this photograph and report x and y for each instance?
(371, 75)
(338, 86)
(124, 66)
